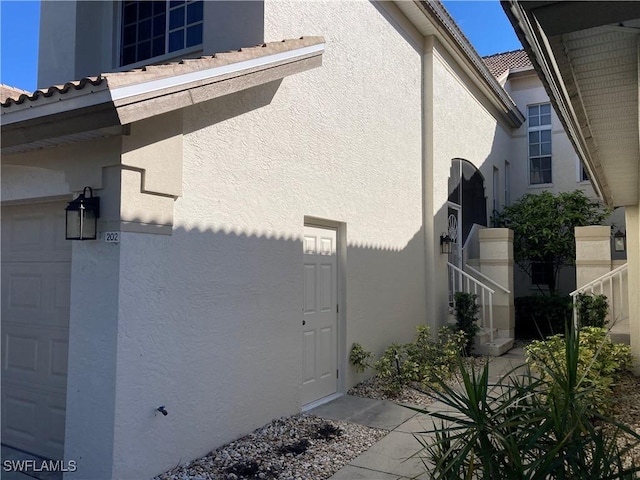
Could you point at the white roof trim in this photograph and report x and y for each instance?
(88, 98)
(186, 78)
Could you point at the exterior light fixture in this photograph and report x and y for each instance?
(446, 244)
(82, 216)
(619, 241)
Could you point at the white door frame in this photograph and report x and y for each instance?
(341, 252)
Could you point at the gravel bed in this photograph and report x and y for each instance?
(373, 388)
(301, 447)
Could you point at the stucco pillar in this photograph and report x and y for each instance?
(593, 253)
(632, 221)
(496, 262)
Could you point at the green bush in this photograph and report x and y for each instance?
(527, 427)
(423, 361)
(467, 317)
(359, 357)
(598, 361)
(592, 310)
(539, 316)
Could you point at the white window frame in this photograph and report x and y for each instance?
(581, 172)
(191, 51)
(507, 183)
(496, 189)
(539, 128)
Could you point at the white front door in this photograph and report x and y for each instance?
(320, 316)
(36, 273)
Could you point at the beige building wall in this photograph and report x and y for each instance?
(86, 29)
(526, 89)
(459, 124)
(220, 299)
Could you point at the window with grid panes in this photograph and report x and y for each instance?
(154, 28)
(539, 136)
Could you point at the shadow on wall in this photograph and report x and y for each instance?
(210, 325)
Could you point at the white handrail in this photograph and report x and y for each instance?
(483, 289)
(599, 282)
(480, 274)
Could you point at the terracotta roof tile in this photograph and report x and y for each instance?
(154, 72)
(501, 62)
(7, 91)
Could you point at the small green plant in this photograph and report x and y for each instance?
(393, 370)
(592, 310)
(359, 357)
(598, 360)
(526, 427)
(466, 317)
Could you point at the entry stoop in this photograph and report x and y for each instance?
(484, 346)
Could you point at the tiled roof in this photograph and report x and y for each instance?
(501, 62)
(7, 91)
(154, 72)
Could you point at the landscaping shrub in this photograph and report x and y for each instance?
(592, 310)
(539, 316)
(359, 357)
(598, 361)
(527, 426)
(423, 361)
(466, 317)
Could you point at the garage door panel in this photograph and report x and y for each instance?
(39, 236)
(19, 416)
(36, 293)
(36, 275)
(33, 420)
(20, 352)
(35, 355)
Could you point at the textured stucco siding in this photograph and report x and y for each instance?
(463, 127)
(210, 317)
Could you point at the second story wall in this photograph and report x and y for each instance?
(527, 91)
(86, 38)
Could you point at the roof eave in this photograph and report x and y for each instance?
(471, 62)
(108, 106)
(542, 58)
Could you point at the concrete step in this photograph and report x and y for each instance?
(496, 348)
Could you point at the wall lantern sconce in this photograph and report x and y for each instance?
(446, 244)
(82, 216)
(619, 241)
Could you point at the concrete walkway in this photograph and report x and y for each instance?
(396, 456)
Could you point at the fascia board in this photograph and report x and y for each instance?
(129, 91)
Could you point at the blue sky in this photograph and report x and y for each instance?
(483, 21)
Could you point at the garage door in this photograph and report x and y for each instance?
(36, 266)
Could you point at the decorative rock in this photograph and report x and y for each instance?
(259, 454)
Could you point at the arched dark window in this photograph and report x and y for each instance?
(466, 190)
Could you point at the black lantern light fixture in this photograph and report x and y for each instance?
(619, 241)
(82, 216)
(446, 244)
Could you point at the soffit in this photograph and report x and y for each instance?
(601, 74)
(590, 71)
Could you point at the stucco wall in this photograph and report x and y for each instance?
(462, 127)
(210, 317)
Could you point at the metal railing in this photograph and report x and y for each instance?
(598, 285)
(468, 284)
